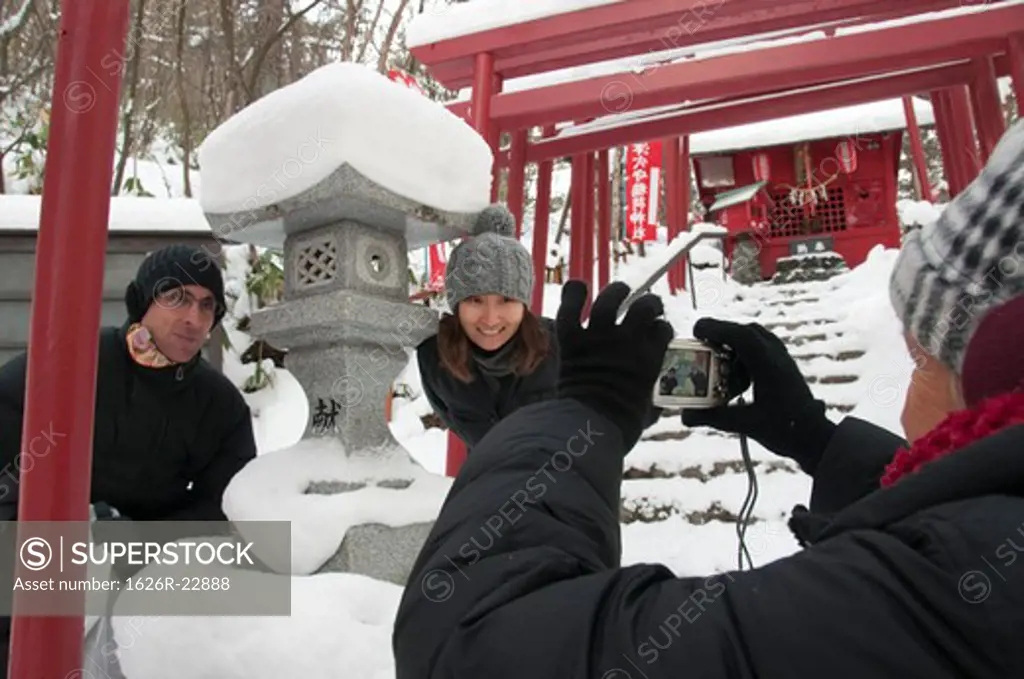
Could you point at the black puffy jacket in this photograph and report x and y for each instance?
(470, 410)
(166, 441)
(521, 576)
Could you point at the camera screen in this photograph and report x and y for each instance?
(685, 373)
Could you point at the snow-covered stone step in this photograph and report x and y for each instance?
(794, 300)
(699, 447)
(718, 498)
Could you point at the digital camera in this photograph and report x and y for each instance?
(693, 375)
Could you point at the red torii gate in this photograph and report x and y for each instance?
(955, 59)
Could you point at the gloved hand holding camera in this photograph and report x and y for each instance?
(784, 417)
(612, 366)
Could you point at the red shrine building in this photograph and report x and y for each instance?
(806, 184)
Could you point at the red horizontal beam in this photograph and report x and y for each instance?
(698, 23)
(461, 109)
(752, 110)
(510, 40)
(748, 73)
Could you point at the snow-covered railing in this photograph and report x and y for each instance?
(680, 246)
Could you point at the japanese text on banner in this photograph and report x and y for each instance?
(643, 190)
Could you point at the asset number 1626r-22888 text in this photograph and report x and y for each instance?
(182, 584)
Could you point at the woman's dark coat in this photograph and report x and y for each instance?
(470, 410)
(520, 576)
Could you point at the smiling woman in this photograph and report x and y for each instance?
(491, 355)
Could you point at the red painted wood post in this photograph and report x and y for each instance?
(987, 106)
(485, 85)
(60, 390)
(456, 454)
(670, 161)
(588, 231)
(947, 141)
(1015, 52)
(964, 131)
(541, 226)
(917, 151)
(683, 180)
(604, 219)
(576, 217)
(494, 139)
(480, 106)
(516, 198)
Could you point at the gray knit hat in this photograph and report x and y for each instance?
(971, 260)
(491, 262)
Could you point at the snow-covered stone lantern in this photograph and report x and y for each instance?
(345, 172)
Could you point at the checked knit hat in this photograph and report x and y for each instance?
(491, 262)
(965, 271)
(172, 267)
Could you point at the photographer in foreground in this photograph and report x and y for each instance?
(911, 566)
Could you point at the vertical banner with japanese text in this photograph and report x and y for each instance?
(643, 191)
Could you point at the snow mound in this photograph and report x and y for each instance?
(273, 488)
(340, 625)
(294, 137)
(917, 212)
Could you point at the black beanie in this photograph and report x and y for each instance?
(170, 268)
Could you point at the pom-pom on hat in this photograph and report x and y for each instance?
(491, 262)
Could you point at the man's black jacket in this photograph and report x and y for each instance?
(521, 576)
(156, 432)
(470, 410)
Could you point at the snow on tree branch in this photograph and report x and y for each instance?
(12, 25)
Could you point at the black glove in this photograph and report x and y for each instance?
(608, 366)
(784, 417)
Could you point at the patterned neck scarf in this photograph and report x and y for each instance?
(143, 349)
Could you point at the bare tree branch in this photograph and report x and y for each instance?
(385, 49)
(11, 26)
(372, 31)
(128, 115)
(179, 81)
(264, 49)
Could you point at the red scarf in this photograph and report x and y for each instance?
(957, 431)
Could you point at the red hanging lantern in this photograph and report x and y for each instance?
(846, 154)
(762, 167)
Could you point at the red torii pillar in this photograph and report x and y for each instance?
(917, 151)
(486, 83)
(1015, 53)
(987, 106)
(541, 225)
(956, 137)
(517, 177)
(604, 219)
(588, 229)
(671, 155)
(60, 390)
(683, 180)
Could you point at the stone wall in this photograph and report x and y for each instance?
(124, 254)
